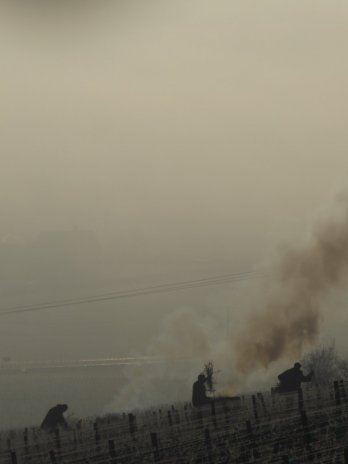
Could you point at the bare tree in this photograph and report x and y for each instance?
(326, 364)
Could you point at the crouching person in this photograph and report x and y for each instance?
(54, 418)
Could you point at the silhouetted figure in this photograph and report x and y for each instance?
(291, 379)
(199, 397)
(54, 418)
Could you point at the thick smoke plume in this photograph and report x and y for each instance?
(286, 323)
(290, 318)
(185, 342)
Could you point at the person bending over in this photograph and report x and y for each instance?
(54, 418)
(291, 379)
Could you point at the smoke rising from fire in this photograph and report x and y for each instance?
(290, 318)
(185, 342)
(287, 322)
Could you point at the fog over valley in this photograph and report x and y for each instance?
(160, 142)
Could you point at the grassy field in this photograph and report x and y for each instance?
(310, 426)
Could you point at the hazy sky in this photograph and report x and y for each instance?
(151, 141)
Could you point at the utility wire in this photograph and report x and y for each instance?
(98, 362)
(156, 289)
(219, 278)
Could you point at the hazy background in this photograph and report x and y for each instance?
(153, 141)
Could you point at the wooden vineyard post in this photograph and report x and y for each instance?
(226, 411)
(318, 397)
(273, 401)
(170, 421)
(154, 443)
(132, 424)
(199, 419)
(276, 447)
(26, 442)
(154, 418)
(337, 393)
(304, 421)
(262, 399)
(25, 437)
(35, 439)
(346, 455)
(300, 399)
(177, 416)
(251, 439)
(213, 413)
(249, 428)
(255, 408)
(343, 390)
(75, 439)
(112, 452)
(13, 457)
(186, 415)
(208, 445)
(96, 437)
(57, 434)
(245, 454)
(53, 457)
(160, 417)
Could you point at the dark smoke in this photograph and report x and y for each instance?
(290, 319)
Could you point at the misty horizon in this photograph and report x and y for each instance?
(149, 143)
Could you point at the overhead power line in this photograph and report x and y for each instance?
(156, 289)
(98, 362)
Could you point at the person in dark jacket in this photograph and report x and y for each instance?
(199, 397)
(291, 379)
(54, 418)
